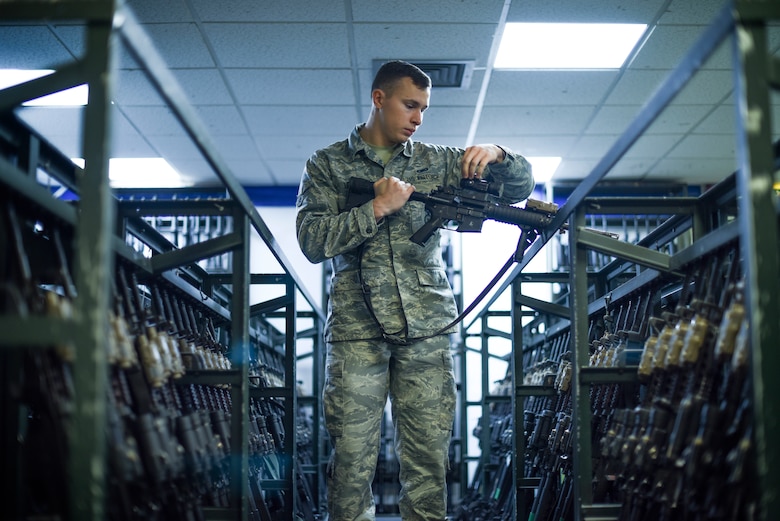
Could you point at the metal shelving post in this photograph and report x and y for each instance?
(239, 348)
(86, 332)
(758, 215)
(580, 352)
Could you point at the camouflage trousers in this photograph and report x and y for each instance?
(418, 379)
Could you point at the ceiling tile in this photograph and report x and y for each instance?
(254, 11)
(629, 169)
(289, 87)
(693, 171)
(222, 120)
(276, 121)
(574, 168)
(430, 11)
(652, 147)
(180, 44)
(638, 87)
(707, 87)
(237, 147)
(592, 146)
(635, 87)
(134, 88)
(554, 87)
(156, 11)
(555, 146)
(704, 146)
(154, 121)
(722, 57)
(274, 81)
(133, 145)
(203, 86)
(612, 118)
(721, 120)
(41, 49)
(666, 48)
(281, 45)
(276, 147)
(173, 147)
(675, 119)
(679, 119)
(685, 12)
(535, 120)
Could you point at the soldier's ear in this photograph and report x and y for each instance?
(378, 98)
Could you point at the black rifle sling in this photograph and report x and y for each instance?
(362, 191)
(395, 338)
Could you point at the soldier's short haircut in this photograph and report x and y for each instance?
(390, 72)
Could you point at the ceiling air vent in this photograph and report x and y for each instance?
(450, 74)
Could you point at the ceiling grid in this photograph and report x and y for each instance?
(274, 81)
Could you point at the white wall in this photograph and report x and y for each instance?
(281, 222)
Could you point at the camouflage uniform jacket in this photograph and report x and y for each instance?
(409, 290)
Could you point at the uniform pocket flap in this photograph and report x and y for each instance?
(432, 277)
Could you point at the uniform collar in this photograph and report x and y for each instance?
(356, 143)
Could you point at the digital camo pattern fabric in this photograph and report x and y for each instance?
(409, 290)
(422, 396)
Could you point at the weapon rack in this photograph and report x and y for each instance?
(138, 378)
(646, 389)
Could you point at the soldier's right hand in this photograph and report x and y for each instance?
(390, 194)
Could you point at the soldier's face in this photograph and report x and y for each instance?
(401, 111)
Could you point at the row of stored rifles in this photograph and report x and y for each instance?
(169, 442)
(676, 445)
(182, 431)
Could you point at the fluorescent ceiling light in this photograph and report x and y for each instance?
(544, 167)
(566, 46)
(73, 97)
(140, 172)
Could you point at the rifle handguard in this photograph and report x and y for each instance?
(518, 216)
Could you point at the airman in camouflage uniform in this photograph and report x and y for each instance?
(389, 298)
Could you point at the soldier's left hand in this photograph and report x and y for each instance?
(476, 158)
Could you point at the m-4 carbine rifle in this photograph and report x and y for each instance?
(468, 206)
